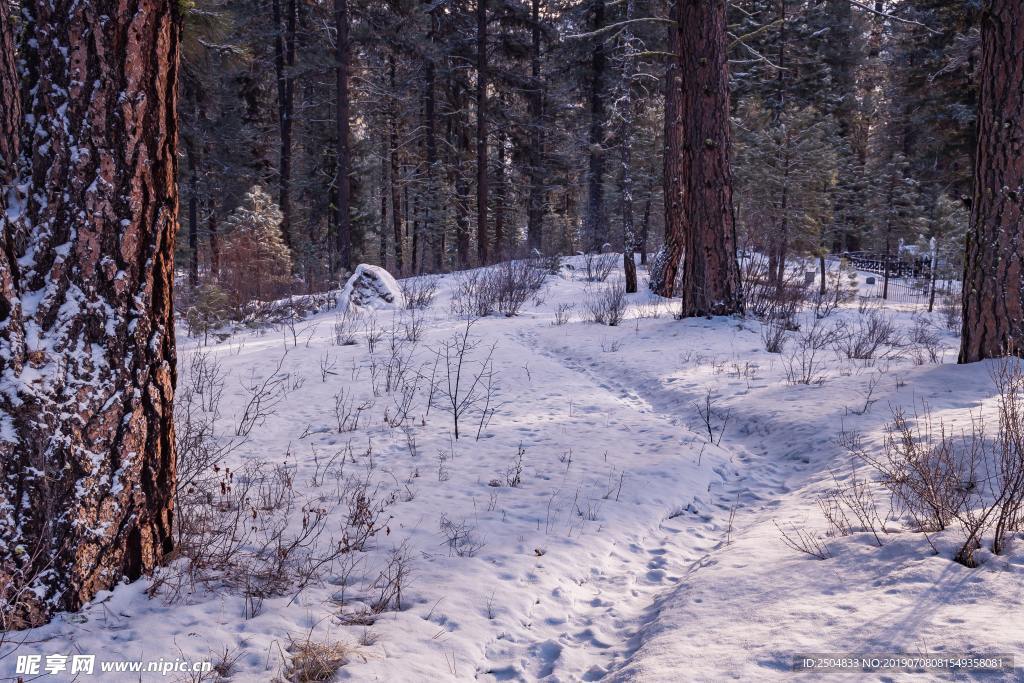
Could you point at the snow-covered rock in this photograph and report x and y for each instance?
(371, 287)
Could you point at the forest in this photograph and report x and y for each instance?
(511, 339)
(469, 133)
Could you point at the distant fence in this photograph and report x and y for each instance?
(909, 290)
(897, 267)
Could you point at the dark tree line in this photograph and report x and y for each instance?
(432, 136)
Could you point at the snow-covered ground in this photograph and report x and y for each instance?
(594, 530)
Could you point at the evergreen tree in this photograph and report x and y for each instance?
(256, 263)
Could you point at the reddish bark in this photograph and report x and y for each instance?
(993, 301)
(87, 456)
(697, 170)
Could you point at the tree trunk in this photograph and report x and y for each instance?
(626, 150)
(341, 58)
(431, 225)
(458, 154)
(87, 460)
(193, 217)
(535, 208)
(284, 59)
(500, 250)
(211, 228)
(711, 282)
(782, 238)
(481, 132)
(993, 302)
(645, 228)
(385, 225)
(396, 200)
(596, 228)
(665, 268)
(10, 112)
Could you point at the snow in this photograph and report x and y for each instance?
(632, 549)
(372, 288)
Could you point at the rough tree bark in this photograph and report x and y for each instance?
(341, 67)
(711, 281)
(87, 456)
(993, 300)
(481, 132)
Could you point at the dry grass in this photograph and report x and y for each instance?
(316, 661)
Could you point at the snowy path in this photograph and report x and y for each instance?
(744, 609)
(687, 541)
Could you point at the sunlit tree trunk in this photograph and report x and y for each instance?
(87, 456)
(710, 282)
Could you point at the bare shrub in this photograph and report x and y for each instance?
(768, 298)
(345, 326)
(825, 303)
(419, 292)
(597, 267)
(374, 333)
(563, 313)
(712, 417)
(773, 334)
(472, 295)
(606, 304)
(348, 411)
(252, 532)
(1009, 381)
(413, 324)
(850, 506)
(804, 541)
(264, 396)
(196, 407)
(927, 471)
(804, 364)
(389, 371)
(513, 283)
(467, 383)
(951, 308)
(514, 473)
(936, 478)
(869, 338)
(461, 537)
(925, 343)
(392, 580)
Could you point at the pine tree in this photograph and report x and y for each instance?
(697, 165)
(256, 263)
